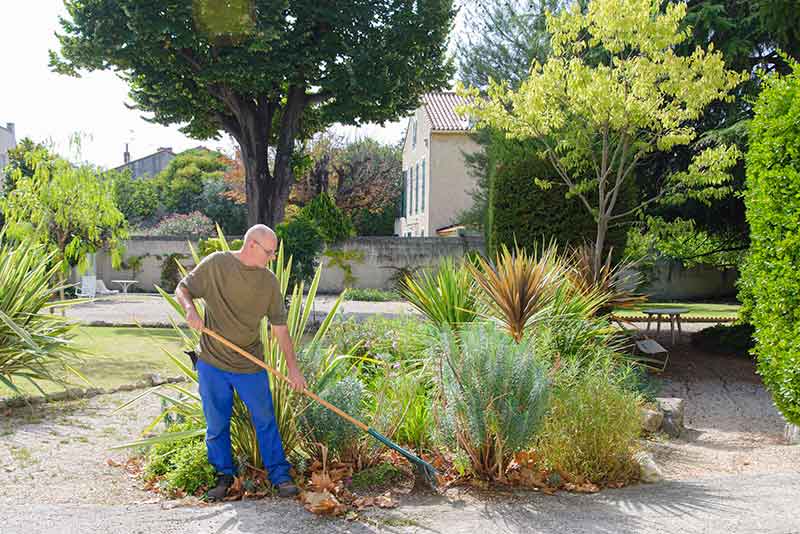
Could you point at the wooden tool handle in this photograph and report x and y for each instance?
(278, 374)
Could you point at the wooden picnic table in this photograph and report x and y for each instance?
(674, 315)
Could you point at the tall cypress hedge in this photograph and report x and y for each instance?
(770, 281)
(520, 211)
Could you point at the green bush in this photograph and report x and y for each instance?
(324, 426)
(303, 242)
(367, 223)
(770, 281)
(521, 212)
(170, 272)
(591, 430)
(223, 210)
(734, 339)
(379, 337)
(496, 392)
(379, 475)
(136, 199)
(181, 182)
(331, 222)
(182, 464)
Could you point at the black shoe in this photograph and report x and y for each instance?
(218, 492)
(287, 489)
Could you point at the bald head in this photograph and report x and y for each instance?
(262, 234)
(260, 244)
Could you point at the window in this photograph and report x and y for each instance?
(403, 194)
(422, 195)
(416, 189)
(409, 176)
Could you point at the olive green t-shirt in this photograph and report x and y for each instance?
(236, 298)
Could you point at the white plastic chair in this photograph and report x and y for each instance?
(88, 287)
(103, 290)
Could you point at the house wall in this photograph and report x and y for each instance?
(149, 166)
(451, 182)
(8, 140)
(416, 222)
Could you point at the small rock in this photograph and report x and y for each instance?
(74, 393)
(792, 434)
(651, 419)
(649, 470)
(57, 396)
(92, 392)
(155, 379)
(143, 384)
(126, 387)
(669, 427)
(673, 409)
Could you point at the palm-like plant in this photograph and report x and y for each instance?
(616, 283)
(32, 344)
(446, 297)
(517, 286)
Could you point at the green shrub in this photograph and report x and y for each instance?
(217, 205)
(136, 199)
(591, 430)
(183, 464)
(496, 392)
(521, 213)
(303, 242)
(331, 222)
(170, 272)
(324, 426)
(726, 339)
(770, 281)
(367, 223)
(388, 339)
(193, 224)
(371, 295)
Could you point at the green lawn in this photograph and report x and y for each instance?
(700, 309)
(116, 356)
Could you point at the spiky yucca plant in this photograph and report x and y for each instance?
(33, 344)
(616, 283)
(446, 297)
(517, 285)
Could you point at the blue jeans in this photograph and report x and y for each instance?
(216, 391)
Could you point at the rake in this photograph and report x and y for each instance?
(425, 470)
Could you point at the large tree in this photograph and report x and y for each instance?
(612, 92)
(268, 73)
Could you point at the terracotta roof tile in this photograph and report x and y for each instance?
(440, 108)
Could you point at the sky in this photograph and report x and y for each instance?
(46, 106)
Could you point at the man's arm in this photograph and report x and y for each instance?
(185, 300)
(281, 332)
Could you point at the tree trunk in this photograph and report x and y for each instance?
(267, 193)
(600, 241)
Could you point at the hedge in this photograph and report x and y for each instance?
(770, 282)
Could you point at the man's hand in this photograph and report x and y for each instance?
(194, 320)
(297, 379)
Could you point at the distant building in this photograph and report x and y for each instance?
(8, 140)
(436, 180)
(147, 166)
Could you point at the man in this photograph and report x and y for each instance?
(239, 291)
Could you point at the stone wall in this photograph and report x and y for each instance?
(671, 281)
(374, 259)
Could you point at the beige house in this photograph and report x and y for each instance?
(436, 181)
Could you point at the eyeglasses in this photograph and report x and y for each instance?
(267, 251)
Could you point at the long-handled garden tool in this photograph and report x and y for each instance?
(425, 470)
